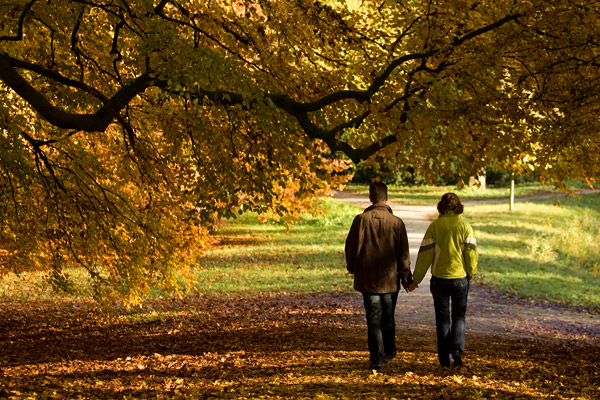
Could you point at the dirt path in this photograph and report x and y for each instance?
(490, 312)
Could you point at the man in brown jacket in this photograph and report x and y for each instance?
(377, 254)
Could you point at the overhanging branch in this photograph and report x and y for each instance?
(96, 122)
(19, 35)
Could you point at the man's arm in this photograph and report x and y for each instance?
(352, 244)
(403, 257)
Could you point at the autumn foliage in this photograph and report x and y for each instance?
(129, 129)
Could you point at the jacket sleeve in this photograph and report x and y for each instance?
(352, 244)
(425, 256)
(403, 257)
(470, 256)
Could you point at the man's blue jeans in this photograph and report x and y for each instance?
(449, 294)
(381, 327)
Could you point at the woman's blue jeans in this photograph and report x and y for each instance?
(450, 303)
(381, 327)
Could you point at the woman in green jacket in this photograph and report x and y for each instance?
(450, 249)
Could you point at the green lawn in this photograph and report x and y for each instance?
(250, 257)
(254, 257)
(538, 250)
(541, 249)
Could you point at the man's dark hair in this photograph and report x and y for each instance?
(378, 192)
(450, 203)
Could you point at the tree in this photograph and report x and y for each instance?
(130, 128)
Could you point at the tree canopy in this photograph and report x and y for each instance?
(129, 129)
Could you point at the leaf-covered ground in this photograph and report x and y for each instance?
(284, 346)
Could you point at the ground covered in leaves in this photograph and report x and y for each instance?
(276, 346)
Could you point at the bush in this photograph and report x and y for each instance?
(501, 178)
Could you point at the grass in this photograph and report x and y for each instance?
(539, 250)
(34, 286)
(542, 250)
(254, 258)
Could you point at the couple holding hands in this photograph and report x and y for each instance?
(377, 254)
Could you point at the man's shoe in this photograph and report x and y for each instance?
(456, 356)
(388, 358)
(375, 366)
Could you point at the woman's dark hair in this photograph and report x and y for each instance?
(450, 203)
(378, 192)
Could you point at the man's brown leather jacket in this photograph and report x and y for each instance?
(377, 251)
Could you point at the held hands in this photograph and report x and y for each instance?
(412, 286)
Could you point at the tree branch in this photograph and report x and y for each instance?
(95, 122)
(160, 6)
(490, 27)
(19, 35)
(55, 76)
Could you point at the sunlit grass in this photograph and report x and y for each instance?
(538, 250)
(541, 249)
(254, 257)
(34, 285)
